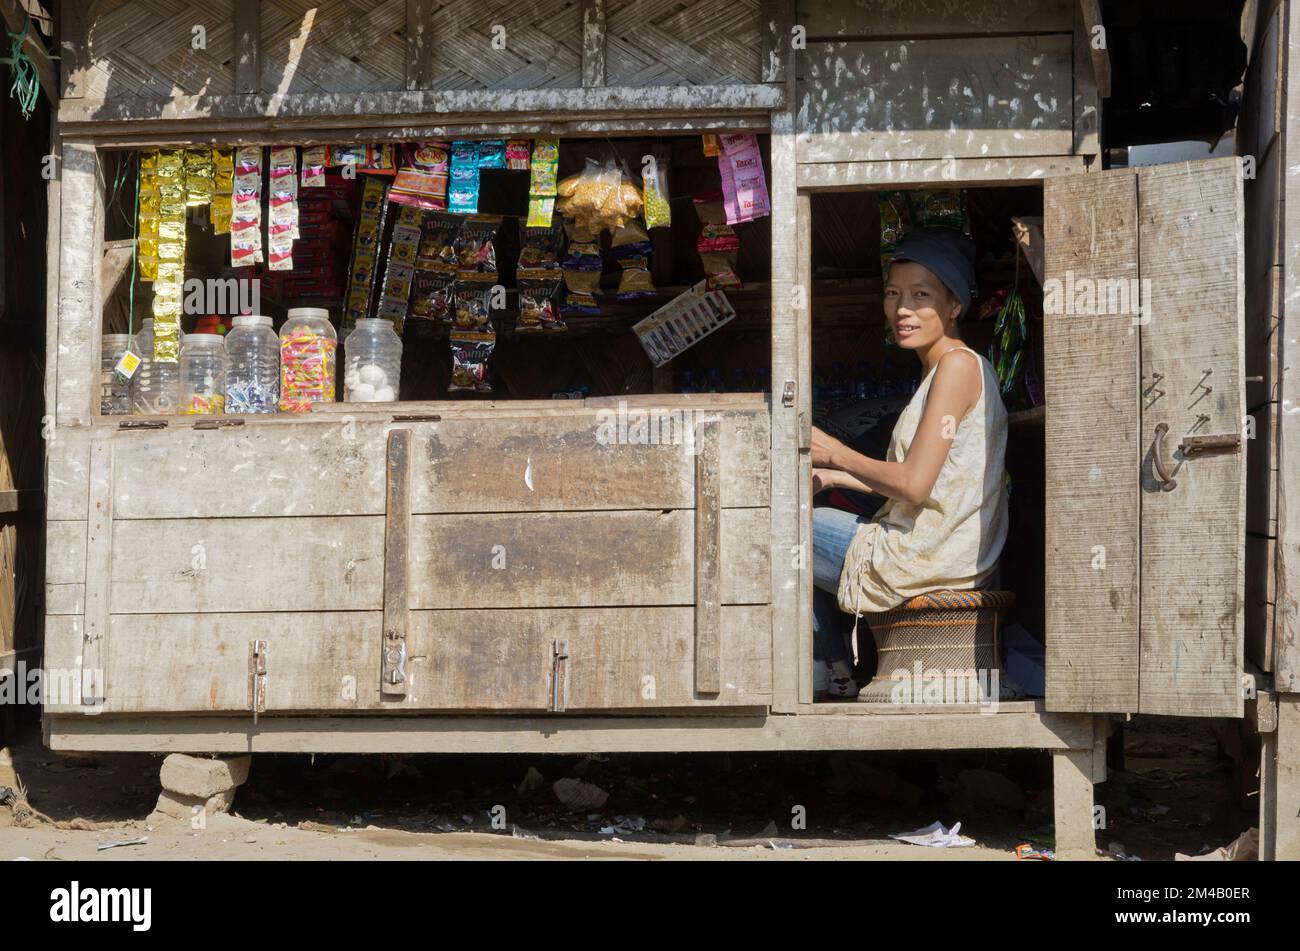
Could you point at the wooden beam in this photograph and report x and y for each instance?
(708, 553)
(1091, 10)
(578, 734)
(14, 18)
(1072, 804)
(21, 501)
(74, 47)
(593, 43)
(775, 24)
(248, 47)
(397, 565)
(99, 562)
(1286, 780)
(116, 261)
(419, 44)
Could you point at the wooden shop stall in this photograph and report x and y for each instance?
(505, 556)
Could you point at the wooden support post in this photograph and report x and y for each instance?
(419, 44)
(1091, 11)
(99, 565)
(593, 43)
(708, 570)
(116, 260)
(397, 565)
(248, 47)
(1072, 804)
(74, 48)
(1283, 826)
(777, 20)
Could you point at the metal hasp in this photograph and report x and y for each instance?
(257, 678)
(1199, 445)
(559, 676)
(397, 565)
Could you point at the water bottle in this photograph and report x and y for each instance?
(155, 387)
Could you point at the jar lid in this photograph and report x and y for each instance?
(320, 312)
(252, 320)
(373, 321)
(204, 340)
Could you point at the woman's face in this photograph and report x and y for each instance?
(919, 306)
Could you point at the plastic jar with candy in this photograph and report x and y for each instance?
(308, 345)
(203, 375)
(155, 387)
(253, 366)
(372, 356)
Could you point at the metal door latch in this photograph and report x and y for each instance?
(143, 424)
(257, 678)
(1199, 445)
(787, 393)
(395, 660)
(559, 680)
(217, 423)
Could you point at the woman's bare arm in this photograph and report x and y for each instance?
(955, 390)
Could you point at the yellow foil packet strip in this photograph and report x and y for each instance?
(171, 167)
(147, 267)
(171, 251)
(171, 229)
(171, 275)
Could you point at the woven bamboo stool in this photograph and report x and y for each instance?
(943, 642)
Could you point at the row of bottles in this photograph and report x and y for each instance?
(254, 370)
(714, 381)
(863, 383)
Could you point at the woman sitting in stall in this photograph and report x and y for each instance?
(945, 516)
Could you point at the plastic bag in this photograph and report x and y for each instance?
(600, 197)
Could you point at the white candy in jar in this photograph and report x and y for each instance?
(373, 374)
(385, 394)
(361, 393)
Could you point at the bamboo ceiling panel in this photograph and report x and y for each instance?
(667, 42)
(147, 48)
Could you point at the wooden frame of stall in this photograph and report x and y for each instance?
(691, 96)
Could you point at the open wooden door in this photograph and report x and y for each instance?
(1144, 325)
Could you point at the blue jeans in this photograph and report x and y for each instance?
(832, 531)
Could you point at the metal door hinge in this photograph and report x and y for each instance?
(257, 677)
(417, 418)
(559, 676)
(217, 423)
(142, 424)
(787, 393)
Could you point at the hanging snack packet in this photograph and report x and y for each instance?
(492, 153)
(422, 181)
(246, 208)
(473, 308)
(711, 149)
(313, 166)
(347, 155)
(538, 312)
(476, 254)
(517, 155)
(400, 273)
(582, 269)
(543, 178)
(470, 353)
(223, 180)
(635, 281)
(433, 290)
(199, 184)
(744, 184)
(462, 194)
(718, 243)
(940, 208)
(282, 229)
(540, 246)
(895, 222)
(365, 251)
(654, 182)
(380, 160)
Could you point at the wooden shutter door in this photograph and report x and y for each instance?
(1145, 570)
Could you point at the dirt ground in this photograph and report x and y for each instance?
(1176, 793)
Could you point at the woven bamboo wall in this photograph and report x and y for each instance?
(145, 47)
(666, 42)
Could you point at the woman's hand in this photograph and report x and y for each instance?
(824, 449)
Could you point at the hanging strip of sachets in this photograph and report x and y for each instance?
(147, 258)
(169, 283)
(282, 228)
(246, 208)
(223, 187)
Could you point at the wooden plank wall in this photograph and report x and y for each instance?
(522, 530)
(906, 81)
(1259, 142)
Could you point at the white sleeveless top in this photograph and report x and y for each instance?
(954, 538)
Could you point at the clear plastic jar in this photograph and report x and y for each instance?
(203, 375)
(308, 350)
(253, 366)
(155, 387)
(372, 355)
(114, 396)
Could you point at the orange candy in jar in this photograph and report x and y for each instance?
(308, 346)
